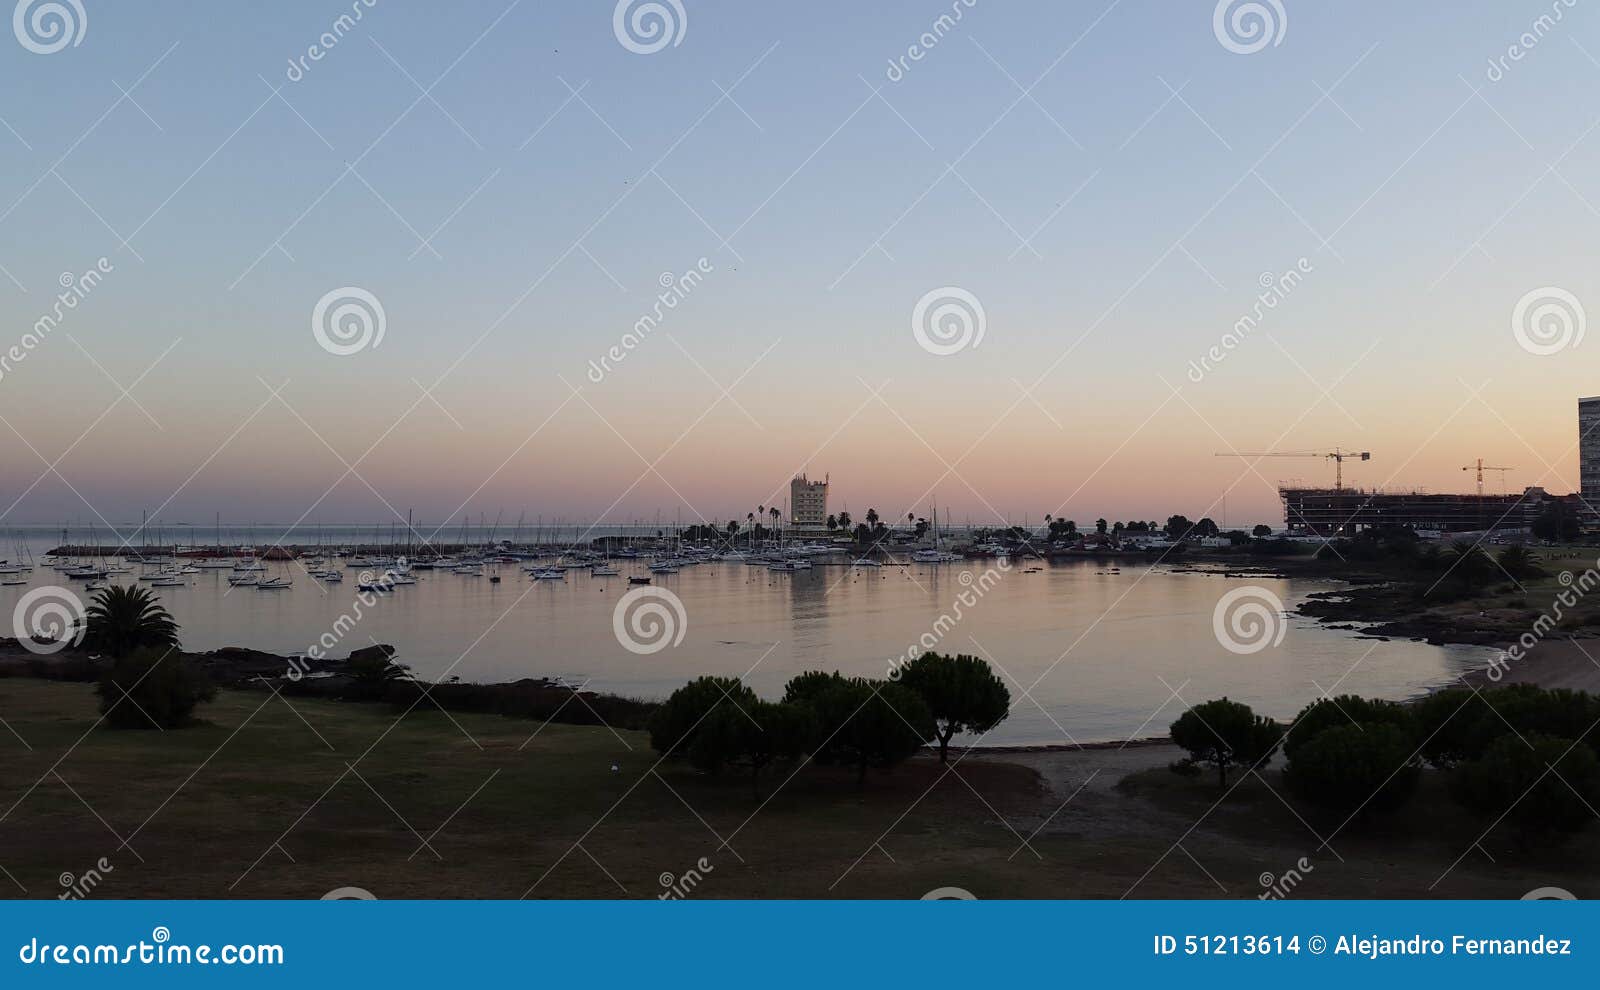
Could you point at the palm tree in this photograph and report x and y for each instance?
(833, 523)
(872, 518)
(121, 620)
(844, 521)
(773, 512)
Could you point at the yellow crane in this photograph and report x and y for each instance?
(1482, 467)
(1337, 455)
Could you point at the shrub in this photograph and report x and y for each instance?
(1545, 784)
(1356, 768)
(763, 734)
(1226, 733)
(152, 689)
(962, 693)
(674, 724)
(1457, 724)
(1346, 709)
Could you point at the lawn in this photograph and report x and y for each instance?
(261, 801)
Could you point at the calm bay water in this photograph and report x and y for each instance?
(1108, 645)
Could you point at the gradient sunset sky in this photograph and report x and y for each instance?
(1109, 180)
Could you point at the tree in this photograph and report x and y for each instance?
(866, 723)
(1355, 769)
(872, 518)
(1261, 531)
(123, 619)
(1178, 527)
(1206, 527)
(844, 521)
(863, 534)
(1538, 784)
(1518, 562)
(1224, 734)
(773, 512)
(152, 688)
(1100, 526)
(1466, 563)
(833, 522)
(1332, 713)
(1556, 521)
(674, 724)
(962, 694)
(760, 735)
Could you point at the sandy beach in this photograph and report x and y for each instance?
(1556, 663)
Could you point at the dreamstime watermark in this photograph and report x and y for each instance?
(349, 894)
(1245, 27)
(674, 290)
(45, 27)
(645, 27)
(1574, 588)
(949, 894)
(348, 320)
(1274, 290)
(975, 588)
(76, 888)
(48, 620)
(1528, 40)
(676, 888)
(928, 40)
(159, 951)
(370, 589)
(1549, 894)
(75, 289)
(328, 40)
(1548, 320)
(1276, 888)
(1248, 620)
(648, 620)
(948, 320)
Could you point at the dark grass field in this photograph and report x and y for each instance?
(265, 800)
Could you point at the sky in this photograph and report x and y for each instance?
(1111, 183)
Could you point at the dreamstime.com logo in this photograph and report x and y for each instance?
(949, 894)
(648, 620)
(948, 320)
(348, 320)
(1548, 321)
(1248, 620)
(647, 27)
(48, 620)
(1245, 27)
(75, 288)
(47, 27)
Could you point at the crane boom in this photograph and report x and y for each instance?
(1337, 455)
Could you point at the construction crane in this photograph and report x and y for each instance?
(1337, 455)
(1482, 467)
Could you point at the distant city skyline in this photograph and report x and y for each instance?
(506, 258)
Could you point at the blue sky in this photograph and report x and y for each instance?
(1114, 221)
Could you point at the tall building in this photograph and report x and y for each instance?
(1589, 451)
(808, 503)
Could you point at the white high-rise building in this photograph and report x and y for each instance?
(808, 503)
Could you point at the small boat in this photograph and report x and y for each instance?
(663, 569)
(329, 577)
(86, 573)
(494, 579)
(604, 570)
(22, 580)
(550, 574)
(243, 580)
(167, 581)
(638, 580)
(865, 562)
(273, 584)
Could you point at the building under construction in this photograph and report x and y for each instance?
(1345, 511)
